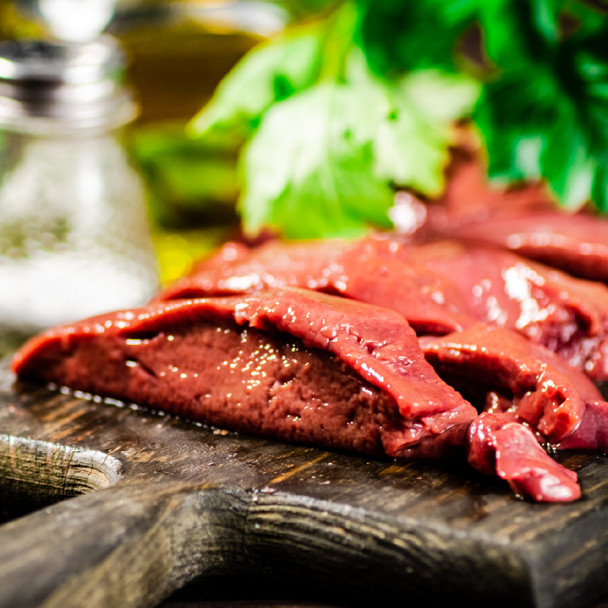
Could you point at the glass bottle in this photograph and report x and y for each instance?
(74, 233)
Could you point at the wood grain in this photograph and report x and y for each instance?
(133, 505)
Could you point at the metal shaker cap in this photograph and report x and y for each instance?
(59, 85)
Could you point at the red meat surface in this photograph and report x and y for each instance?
(500, 446)
(291, 364)
(364, 270)
(522, 387)
(525, 220)
(567, 315)
(439, 288)
(301, 366)
(502, 371)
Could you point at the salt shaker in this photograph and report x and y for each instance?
(74, 233)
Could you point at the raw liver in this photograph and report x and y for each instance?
(291, 364)
(525, 220)
(438, 287)
(297, 365)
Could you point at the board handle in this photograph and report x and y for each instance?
(129, 545)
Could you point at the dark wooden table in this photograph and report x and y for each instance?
(133, 506)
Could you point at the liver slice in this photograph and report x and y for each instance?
(567, 315)
(525, 220)
(500, 370)
(574, 243)
(301, 366)
(375, 270)
(500, 446)
(439, 288)
(290, 364)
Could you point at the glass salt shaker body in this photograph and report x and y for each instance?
(74, 233)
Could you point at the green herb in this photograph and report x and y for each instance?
(398, 35)
(544, 114)
(307, 170)
(326, 152)
(340, 113)
(412, 140)
(273, 72)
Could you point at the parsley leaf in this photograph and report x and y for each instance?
(397, 36)
(323, 162)
(328, 139)
(270, 73)
(545, 113)
(412, 141)
(307, 169)
(339, 113)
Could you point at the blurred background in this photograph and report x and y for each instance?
(111, 153)
(52, 265)
(177, 53)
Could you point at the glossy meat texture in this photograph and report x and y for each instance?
(291, 364)
(569, 316)
(574, 243)
(502, 371)
(439, 288)
(365, 270)
(300, 366)
(592, 433)
(521, 387)
(499, 445)
(526, 221)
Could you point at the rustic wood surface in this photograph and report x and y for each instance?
(128, 506)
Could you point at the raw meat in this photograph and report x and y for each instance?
(364, 270)
(291, 364)
(439, 288)
(567, 315)
(502, 371)
(301, 366)
(500, 446)
(525, 220)
(522, 387)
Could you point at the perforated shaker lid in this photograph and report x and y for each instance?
(74, 86)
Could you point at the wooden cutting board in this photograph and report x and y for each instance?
(133, 505)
